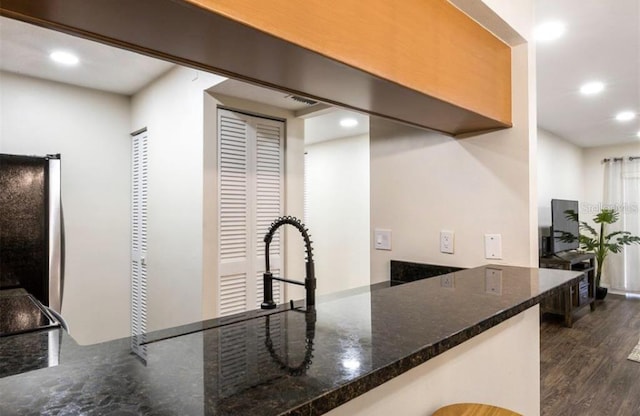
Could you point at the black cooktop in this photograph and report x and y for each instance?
(23, 313)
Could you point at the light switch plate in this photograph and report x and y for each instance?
(493, 246)
(382, 239)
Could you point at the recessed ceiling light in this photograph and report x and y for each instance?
(591, 88)
(549, 31)
(625, 116)
(64, 58)
(348, 122)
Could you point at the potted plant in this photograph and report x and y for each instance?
(600, 243)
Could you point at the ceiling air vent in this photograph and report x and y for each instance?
(302, 100)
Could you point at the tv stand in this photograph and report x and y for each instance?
(577, 296)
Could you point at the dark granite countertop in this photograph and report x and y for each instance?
(232, 366)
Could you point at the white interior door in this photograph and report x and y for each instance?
(139, 193)
(250, 168)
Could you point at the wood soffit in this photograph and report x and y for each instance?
(213, 36)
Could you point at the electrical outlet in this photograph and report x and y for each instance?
(446, 241)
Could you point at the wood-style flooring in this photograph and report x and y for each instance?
(584, 370)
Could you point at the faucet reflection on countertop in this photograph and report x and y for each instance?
(310, 278)
(310, 333)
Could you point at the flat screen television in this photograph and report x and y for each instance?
(564, 229)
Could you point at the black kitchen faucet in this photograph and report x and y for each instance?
(310, 278)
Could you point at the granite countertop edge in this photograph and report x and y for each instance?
(343, 394)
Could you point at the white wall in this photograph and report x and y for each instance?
(422, 183)
(338, 211)
(172, 109)
(560, 173)
(293, 194)
(91, 131)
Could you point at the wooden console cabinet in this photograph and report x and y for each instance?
(577, 296)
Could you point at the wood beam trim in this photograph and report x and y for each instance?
(188, 35)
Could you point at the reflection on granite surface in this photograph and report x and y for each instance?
(27, 352)
(405, 271)
(22, 314)
(272, 337)
(361, 341)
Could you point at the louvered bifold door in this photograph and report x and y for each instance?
(139, 191)
(268, 168)
(233, 211)
(250, 181)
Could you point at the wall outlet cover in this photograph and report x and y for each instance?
(382, 239)
(447, 241)
(493, 246)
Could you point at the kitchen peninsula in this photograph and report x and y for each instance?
(363, 340)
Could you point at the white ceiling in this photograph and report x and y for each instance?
(24, 49)
(327, 126)
(602, 42)
(263, 95)
(319, 126)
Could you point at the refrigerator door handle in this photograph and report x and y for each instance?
(63, 252)
(56, 235)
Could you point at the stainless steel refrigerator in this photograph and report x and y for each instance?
(31, 228)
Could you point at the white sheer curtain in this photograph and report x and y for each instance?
(622, 192)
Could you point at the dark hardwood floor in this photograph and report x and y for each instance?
(584, 369)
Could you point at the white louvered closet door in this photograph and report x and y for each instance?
(250, 184)
(139, 192)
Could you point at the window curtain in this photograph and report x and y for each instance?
(622, 192)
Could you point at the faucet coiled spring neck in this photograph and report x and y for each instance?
(296, 223)
(310, 277)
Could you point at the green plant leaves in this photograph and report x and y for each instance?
(606, 216)
(599, 243)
